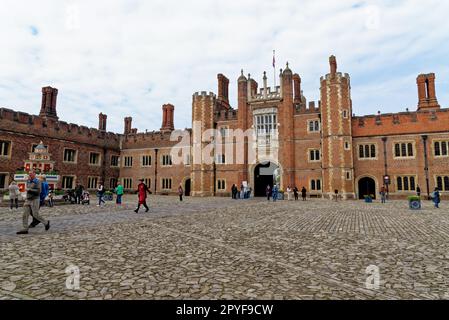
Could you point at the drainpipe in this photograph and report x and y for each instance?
(384, 140)
(426, 165)
(155, 170)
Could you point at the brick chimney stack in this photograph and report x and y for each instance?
(333, 64)
(48, 106)
(223, 88)
(128, 123)
(297, 88)
(427, 99)
(102, 122)
(167, 117)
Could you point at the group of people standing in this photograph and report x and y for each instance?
(244, 193)
(274, 193)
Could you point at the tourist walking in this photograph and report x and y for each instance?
(119, 194)
(383, 194)
(436, 198)
(100, 194)
(180, 192)
(275, 192)
(268, 192)
(304, 194)
(418, 191)
(296, 193)
(31, 205)
(242, 191)
(14, 195)
(142, 191)
(336, 194)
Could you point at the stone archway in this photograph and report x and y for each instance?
(264, 174)
(366, 186)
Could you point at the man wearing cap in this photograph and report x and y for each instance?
(142, 190)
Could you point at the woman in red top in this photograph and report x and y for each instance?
(142, 190)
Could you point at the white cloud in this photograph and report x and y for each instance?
(130, 57)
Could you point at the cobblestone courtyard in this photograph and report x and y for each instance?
(217, 248)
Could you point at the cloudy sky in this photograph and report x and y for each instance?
(128, 57)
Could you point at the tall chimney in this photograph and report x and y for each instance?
(333, 65)
(167, 117)
(427, 99)
(102, 122)
(223, 88)
(48, 105)
(128, 123)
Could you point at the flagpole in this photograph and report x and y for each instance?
(274, 69)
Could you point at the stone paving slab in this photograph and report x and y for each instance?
(217, 248)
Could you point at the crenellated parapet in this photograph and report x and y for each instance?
(428, 121)
(24, 123)
(225, 115)
(312, 107)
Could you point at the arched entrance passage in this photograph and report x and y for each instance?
(367, 186)
(263, 176)
(187, 188)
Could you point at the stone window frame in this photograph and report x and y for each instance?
(76, 156)
(413, 142)
(124, 161)
(345, 113)
(219, 185)
(164, 186)
(220, 158)
(129, 179)
(110, 182)
(118, 161)
(370, 144)
(99, 159)
(147, 182)
(170, 160)
(395, 181)
(8, 156)
(5, 187)
(314, 120)
(346, 142)
(309, 158)
(315, 180)
(442, 175)
(150, 160)
(350, 175)
(440, 140)
(62, 181)
(97, 181)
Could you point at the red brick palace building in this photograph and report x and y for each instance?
(321, 146)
